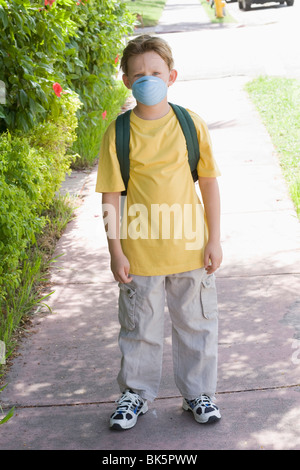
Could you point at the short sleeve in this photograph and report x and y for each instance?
(207, 166)
(109, 178)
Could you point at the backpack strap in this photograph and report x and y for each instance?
(190, 134)
(122, 145)
(123, 140)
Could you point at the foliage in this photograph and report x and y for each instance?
(93, 53)
(31, 171)
(92, 129)
(147, 12)
(98, 44)
(47, 49)
(9, 414)
(23, 299)
(29, 47)
(73, 43)
(58, 63)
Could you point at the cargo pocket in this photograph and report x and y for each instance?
(208, 297)
(127, 300)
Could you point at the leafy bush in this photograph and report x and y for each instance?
(32, 169)
(53, 140)
(20, 177)
(28, 52)
(74, 43)
(98, 43)
(58, 62)
(93, 53)
(92, 127)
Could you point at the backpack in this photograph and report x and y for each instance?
(123, 138)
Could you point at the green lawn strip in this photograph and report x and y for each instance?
(278, 102)
(148, 11)
(212, 16)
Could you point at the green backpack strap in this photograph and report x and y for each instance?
(123, 140)
(122, 145)
(190, 133)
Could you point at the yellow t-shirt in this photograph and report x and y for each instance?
(163, 226)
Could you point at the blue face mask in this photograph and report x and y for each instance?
(149, 90)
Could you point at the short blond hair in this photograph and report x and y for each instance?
(146, 43)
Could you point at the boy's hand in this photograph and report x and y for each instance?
(212, 257)
(120, 268)
(119, 263)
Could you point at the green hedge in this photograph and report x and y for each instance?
(75, 43)
(32, 168)
(58, 63)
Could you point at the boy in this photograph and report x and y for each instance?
(159, 251)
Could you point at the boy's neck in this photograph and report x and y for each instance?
(151, 113)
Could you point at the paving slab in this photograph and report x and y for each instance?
(258, 330)
(259, 424)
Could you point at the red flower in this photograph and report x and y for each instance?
(117, 59)
(104, 115)
(57, 89)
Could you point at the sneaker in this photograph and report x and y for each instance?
(130, 406)
(203, 409)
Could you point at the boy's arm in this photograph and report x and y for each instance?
(111, 211)
(211, 199)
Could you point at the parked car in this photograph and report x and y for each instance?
(246, 4)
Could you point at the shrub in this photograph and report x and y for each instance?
(98, 43)
(20, 177)
(92, 127)
(32, 169)
(28, 54)
(73, 42)
(58, 63)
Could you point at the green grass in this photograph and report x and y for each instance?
(150, 10)
(278, 102)
(8, 414)
(211, 14)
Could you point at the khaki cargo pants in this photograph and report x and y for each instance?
(192, 303)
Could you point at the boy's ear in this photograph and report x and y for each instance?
(173, 76)
(126, 81)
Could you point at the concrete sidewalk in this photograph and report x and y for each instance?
(64, 379)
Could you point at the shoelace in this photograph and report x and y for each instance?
(201, 400)
(127, 401)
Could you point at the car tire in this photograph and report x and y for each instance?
(290, 3)
(247, 4)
